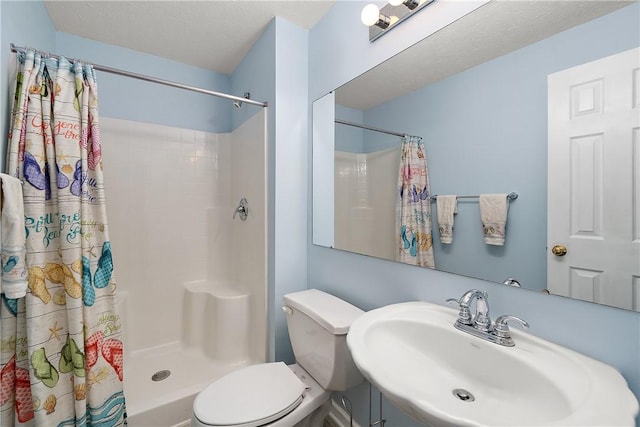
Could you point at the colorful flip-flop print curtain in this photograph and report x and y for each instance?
(413, 209)
(61, 359)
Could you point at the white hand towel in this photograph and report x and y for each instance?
(12, 237)
(493, 214)
(446, 207)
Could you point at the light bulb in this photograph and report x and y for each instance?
(370, 15)
(395, 2)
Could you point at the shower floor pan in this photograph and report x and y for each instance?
(168, 401)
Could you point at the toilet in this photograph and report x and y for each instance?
(298, 395)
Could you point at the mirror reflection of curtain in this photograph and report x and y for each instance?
(413, 210)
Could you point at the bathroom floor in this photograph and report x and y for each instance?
(169, 401)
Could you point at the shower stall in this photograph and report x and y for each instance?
(191, 273)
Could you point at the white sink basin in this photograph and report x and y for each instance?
(415, 356)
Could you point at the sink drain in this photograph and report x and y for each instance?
(161, 375)
(463, 395)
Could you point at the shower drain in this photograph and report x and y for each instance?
(463, 395)
(161, 375)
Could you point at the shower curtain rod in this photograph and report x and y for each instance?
(124, 73)
(344, 122)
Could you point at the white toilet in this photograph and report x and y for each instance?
(277, 395)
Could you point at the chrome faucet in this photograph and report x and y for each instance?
(481, 320)
(480, 324)
(242, 209)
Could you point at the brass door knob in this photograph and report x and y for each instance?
(559, 250)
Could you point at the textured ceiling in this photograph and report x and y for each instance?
(495, 29)
(211, 34)
(216, 35)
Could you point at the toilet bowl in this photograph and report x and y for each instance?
(270, 394)
(298, 395)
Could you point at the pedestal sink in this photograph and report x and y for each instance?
(441, 376)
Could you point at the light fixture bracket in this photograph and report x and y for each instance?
(383, 22)
(411, 4)
(403, 12)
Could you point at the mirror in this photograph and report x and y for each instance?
(477, 92)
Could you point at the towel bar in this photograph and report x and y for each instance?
(511, 196)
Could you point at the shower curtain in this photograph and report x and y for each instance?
(61, 359)
(413, 209)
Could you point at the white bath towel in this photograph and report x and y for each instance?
(493, 214)
(13, 282)
(446, 206)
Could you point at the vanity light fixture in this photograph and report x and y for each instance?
(380, 21)
(371, 16)
(411, 4)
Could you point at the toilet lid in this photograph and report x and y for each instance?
(250, 396)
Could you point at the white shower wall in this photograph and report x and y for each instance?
(365, 202)
(247, 240)
(171, 194)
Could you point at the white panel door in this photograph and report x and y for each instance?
(594, 181)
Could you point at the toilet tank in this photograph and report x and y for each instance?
(318, 324)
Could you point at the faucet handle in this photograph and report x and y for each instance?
(501, 329)
(464, 315)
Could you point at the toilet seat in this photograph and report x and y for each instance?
(250, 396)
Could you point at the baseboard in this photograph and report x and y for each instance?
(338, 417)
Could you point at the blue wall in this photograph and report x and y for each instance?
(276, 70)
(607, 334)
(131, 99)
(489, 123)
(24, 23)
(290, 172)
(256, 74)
(120, 97)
